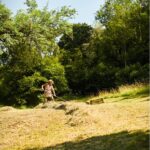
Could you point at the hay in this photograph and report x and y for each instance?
(7, 108)
(95, 101)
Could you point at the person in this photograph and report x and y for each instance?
(49, 92)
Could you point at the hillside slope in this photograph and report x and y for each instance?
(75, 125)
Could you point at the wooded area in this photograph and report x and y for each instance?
(40, 44)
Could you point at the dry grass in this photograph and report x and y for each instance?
(112, 125)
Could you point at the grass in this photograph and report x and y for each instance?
(116, 124)
(76, 98)
(125, 93)
(119, 141)
(137, 90)
(128, 91)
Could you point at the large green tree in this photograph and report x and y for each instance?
(125, 39)
(126, 35)
(75, 56)
(114, 53)
(29, 51)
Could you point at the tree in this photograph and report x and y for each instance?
(125, 39)
(124, 21)
(31, 46)
(74, 56)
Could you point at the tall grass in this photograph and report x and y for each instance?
(134, 90)
(127, 91)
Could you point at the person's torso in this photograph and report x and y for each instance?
(47, 87)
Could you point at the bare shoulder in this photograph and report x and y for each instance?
(45, 84)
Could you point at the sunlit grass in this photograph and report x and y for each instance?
(137, 90)
(111, 125)
(127, 91)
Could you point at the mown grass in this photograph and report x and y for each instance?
(105, 127)
(118, 141)
(112, 125)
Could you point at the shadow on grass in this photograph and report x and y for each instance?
(120, 141)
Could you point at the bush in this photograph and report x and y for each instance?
(30, 89)
(52, 69)
(133, 73)
(102, 78)
(25, 88)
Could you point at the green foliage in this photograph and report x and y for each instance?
(51, 68)
(30, 88)
(31, 5)
(115, 52)
(81, 34)
(74, 56)
(133, 73)
(126, 25)
(28, 47)
(102, 78)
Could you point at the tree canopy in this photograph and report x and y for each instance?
(29, 51)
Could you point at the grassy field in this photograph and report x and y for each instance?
(120, 123)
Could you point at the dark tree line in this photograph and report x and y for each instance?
(114, 52)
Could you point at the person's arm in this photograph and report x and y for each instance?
(42, 87)
(53, 90)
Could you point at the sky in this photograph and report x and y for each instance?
(86, 9)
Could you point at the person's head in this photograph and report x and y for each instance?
(51, 82)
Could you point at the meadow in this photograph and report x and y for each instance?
(121, 122)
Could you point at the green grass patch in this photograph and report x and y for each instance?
(75, 98)
(128, 92)
(138, 90)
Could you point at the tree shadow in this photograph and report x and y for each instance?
(125, 140)
(133, 97)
